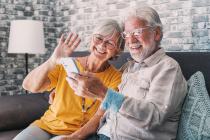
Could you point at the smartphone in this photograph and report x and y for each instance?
(69, 65)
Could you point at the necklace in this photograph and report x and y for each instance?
(85, 109)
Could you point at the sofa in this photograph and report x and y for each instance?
(18, 111)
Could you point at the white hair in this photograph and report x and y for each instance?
(147, 14)
(109, 27)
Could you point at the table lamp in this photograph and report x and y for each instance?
(26, 36)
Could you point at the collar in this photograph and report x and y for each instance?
(154, 58)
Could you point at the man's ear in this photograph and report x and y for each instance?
(158, 34)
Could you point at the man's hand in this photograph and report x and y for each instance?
(87, 85)
(65, 47)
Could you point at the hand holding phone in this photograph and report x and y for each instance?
(69, 65)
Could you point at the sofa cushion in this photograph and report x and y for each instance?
(195, 117)
(18, 111)
(9, 135)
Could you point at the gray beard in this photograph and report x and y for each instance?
(146, 52)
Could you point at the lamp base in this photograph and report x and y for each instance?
(26, 67)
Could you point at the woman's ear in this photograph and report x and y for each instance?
(158, 34)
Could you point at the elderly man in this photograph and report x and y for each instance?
(152, 89)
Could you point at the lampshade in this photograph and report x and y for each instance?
(26, 36)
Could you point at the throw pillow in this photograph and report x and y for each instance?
(195, 117)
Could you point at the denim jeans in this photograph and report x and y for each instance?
(33, 132)
(98, 137)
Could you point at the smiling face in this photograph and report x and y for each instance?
(140, 44)
(104, 46)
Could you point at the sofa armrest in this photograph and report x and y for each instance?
(19, 111)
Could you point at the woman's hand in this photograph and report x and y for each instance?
(65, 47)
(87, 85)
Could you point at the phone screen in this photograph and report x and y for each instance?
(69, 65)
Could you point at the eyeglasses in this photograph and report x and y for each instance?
(98, 39)
(137, 32)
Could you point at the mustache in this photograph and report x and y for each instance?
(135, 45)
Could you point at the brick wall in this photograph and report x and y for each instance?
(186, 27)
(12, 66)
(186, 22)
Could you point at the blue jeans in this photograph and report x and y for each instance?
(33, 132)
(98, 137)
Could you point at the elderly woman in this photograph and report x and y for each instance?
(69, 113)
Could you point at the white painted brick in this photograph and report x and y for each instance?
(186, 4)
(187, 47)
(28, 8)
(201, 10)
(172, 20)
(66, 13)
(184, 27)
(20, 13)
(157, 2)
(175, 5)
(2, 10)
(187, 19)
(201, 25)
(203, 40)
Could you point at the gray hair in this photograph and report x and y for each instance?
(109, 27)
(147, 14)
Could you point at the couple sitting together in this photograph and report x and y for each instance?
(142, 100)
